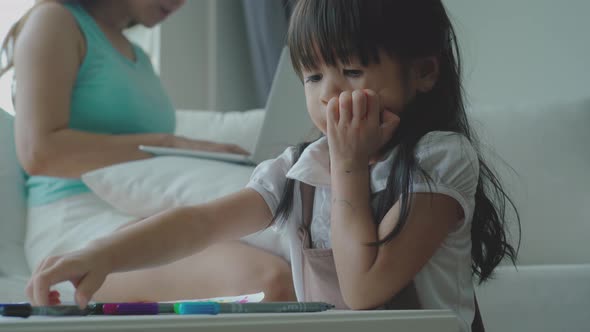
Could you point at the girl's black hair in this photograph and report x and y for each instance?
(333, 31)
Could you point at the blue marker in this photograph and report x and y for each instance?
(196, 308)
(213, 308)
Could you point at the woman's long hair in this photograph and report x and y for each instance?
(342, 30)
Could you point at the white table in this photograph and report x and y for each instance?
(337, 321)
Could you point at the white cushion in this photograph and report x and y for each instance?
(142, 188)
(544, 298)
(238, 127)
(145, 187)
(548, 147)
(12, 203)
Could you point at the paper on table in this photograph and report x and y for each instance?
(247, 298)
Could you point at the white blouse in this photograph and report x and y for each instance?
(445, 282)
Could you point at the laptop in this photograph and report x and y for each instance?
(286, 122)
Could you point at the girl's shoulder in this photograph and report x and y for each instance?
(450, 144)
(276, 168)
(450, 160)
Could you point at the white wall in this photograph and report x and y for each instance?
(10, 12)
(205, 61)
(519, 51)
(514, 52)
(184, 60)
(534, 52)
(235, 88)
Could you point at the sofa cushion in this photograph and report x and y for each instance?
(544, 298)
(548, 147)
(237, 127)
(12, 203)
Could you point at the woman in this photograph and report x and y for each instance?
(85, 98)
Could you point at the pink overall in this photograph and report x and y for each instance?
(320, 278)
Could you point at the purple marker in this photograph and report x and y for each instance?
(148, 308)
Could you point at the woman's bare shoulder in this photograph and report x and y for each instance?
(50, 23)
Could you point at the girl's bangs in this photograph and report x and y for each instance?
(329, 32)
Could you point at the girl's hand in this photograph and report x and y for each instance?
(86, 269)
(180, 142)
(357, 128)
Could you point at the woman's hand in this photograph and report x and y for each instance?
(180, 142)
(86, 269)
(358, 126)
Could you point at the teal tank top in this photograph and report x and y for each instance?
(112, 95)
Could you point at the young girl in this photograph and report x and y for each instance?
(391, 208)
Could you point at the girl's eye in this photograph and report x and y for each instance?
(352, 72)
(313, 78)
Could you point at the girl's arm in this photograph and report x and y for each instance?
(48, 54)
(371, 275)
(157, 240)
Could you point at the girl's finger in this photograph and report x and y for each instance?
(345, 108)
(40, 291)
(359, 108)
(332, 113)
(86, 288)
(373, 107)
(389, 126)
(32, 285)
(390, 120)
(51, 275)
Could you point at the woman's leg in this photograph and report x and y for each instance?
(225, 269)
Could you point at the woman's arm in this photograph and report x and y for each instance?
(48, 53)
(157, 240)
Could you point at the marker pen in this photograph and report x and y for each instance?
(140, 308)
(26, 310)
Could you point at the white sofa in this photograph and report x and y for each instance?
(547, 145)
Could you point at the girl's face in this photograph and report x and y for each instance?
(385, 78)
(152, 12)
